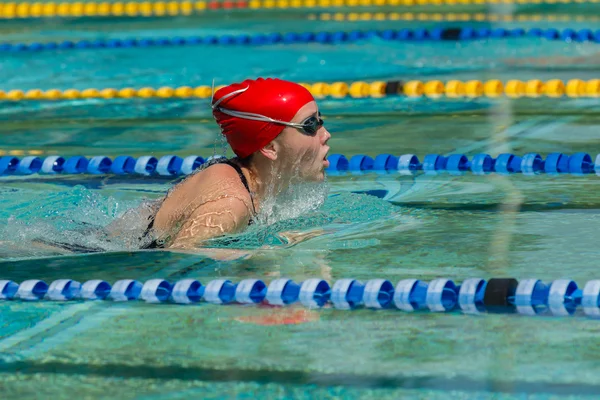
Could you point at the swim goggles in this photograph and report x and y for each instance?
(310, 126)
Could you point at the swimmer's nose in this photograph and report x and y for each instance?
(326, 136)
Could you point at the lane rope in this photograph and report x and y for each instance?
(450, 17)
(434, 89)
(419, 34)
(133, 9)
(560, 297)
(530, 164)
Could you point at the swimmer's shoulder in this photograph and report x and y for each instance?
(217, 184)
(219, 178)
(215, 203)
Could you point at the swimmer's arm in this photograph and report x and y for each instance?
(294, 237)
(217, 218)
(218, 254)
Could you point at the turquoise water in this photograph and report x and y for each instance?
(417, 227)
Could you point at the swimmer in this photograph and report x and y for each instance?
(276, 132)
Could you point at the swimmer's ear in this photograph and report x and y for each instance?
(270, 151)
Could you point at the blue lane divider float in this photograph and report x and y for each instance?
(418, 34)
(560, 297)
(456, 164)
(169, 165)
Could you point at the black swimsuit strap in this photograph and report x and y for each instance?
(243, 179)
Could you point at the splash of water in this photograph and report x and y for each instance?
(307, 211)
(67, 221)
(82, 220)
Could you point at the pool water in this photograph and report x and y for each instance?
(356, 226)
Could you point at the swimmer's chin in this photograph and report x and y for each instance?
(316, 177)
(319, 178)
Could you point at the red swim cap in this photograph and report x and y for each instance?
(273, 98)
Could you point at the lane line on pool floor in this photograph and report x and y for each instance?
(59, 317)
(404, 380)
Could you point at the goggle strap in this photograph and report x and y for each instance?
(228, 95)
(256, 117)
